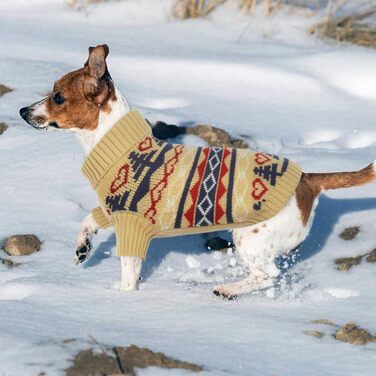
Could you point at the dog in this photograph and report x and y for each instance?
(87, 102)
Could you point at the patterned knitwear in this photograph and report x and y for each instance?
(149, 188)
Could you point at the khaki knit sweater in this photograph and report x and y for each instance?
(149, 188)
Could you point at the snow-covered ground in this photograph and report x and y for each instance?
(289, 93)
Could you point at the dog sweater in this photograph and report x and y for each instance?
(150, 188)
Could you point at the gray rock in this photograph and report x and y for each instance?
(22, 245)
(350, 233)
(351, 333)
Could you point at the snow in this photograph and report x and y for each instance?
(287, 92)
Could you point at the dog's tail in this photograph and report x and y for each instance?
(336, 180)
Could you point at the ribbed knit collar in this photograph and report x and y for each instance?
(117, 141)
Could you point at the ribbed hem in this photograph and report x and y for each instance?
(280, 196)
(124, 135)
(100, 217)
(133, 234)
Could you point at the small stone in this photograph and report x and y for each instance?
(216, 137)
(4, 89)
(371, 256)
(351, 333)
(3, 128)
(346, 263)
(9, 263)
(314, 333)
(323, 321)
(350, 233)
(219, 244)
(22, 245)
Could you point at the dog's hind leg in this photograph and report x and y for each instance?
(89, 228)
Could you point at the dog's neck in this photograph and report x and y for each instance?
(107, 119)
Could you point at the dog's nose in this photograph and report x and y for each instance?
(24, 112)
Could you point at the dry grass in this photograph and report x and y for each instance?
(184, 9)
(353, 28)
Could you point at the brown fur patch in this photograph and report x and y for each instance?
(305, 196)
(77, 111)
(255, 231)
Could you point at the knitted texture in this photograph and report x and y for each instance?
(150, 188)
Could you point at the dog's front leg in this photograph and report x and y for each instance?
(89, 228)
(130, 272)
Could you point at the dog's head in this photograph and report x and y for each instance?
(76, 98)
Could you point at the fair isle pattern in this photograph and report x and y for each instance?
(150, 188)
(208, 198)
(160, 186)
(144, 176)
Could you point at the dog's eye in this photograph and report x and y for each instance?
(58, 98)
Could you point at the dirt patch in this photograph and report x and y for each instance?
(4, 90)
(350, 332)
(216, 137)
(123, 361)
(22, 245)
(323, 322)
(353, 334)
(88, 362)
(371, 256)
(346, 263)
(3, 128)
(349, 233)
(134, 356)
(314, 333)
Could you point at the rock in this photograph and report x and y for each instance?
(22, 245)
(9, 263)
(134, 356)
(219, 244)
(3, 128)
(371, 256)
(88, 362)
(314, 333)
(4, 89)
(122, 361)
(323, 321)
(164, 131)
(216, 136)
(346, 263)
(351, 333)
(349, 233)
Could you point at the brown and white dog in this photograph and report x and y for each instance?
(87, 102)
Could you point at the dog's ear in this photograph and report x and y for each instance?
(95, 72)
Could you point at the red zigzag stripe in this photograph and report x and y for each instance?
(194, 191)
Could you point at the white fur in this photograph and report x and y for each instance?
(260, 244)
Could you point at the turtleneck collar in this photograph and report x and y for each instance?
(130, 129)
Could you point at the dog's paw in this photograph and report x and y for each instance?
(83, 252)
(221, 292)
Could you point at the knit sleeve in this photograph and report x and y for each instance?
(133, 234)
(100, 217)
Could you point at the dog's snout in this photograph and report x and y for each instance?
(24, 112)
